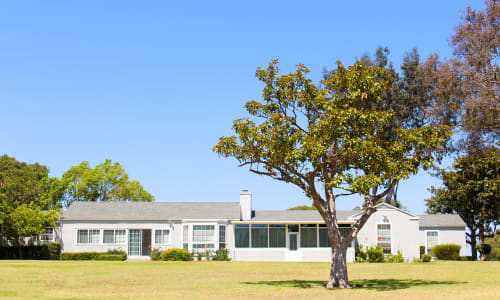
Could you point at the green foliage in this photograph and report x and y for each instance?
(26, 252)
(426, 258)
(120, 252)
(82, 255)
(394, 258)
(360, 255)
(422, 251)
(221, 255)
(471, 190)
(302, 207)
(494, 242)
(54, 250)
(28, 201)
(155, 254)
(375, 255)
(176, 255)
(446, 251)
(484, 249)
(110, 257)
(106, 182)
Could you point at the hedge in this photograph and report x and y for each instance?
(44, 251)
(447, 251)
(426, 258)
(110, 257)
(176, 255)
(81, 255)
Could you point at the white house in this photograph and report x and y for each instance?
(250, 235)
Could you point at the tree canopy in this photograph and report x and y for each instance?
(471, 190)
(106, 182)
(27, 199)
(331, 141)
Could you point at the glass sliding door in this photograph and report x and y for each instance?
(135, 242)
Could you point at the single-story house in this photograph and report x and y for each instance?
(249, 235)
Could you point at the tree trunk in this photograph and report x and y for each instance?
(19, 248)
(482, 256)
(473, 244)
(338, 271)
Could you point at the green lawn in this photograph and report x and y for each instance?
(246, 280)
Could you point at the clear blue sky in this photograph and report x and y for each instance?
(154, 84)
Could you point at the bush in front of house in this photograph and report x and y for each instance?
(375, 254)
(155, 254)
(54, 250)
(115, 257)
(81, 255)
(360, 255)
(484, 249)
(221, 255)
(120, 252)
(394, 258)
(446, 251)
(44, 251)
(426, 258)
(176, 255)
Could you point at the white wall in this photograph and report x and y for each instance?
(283, 254)
(446, 236)
(405, 234)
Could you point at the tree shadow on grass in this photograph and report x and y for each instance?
(370, 284)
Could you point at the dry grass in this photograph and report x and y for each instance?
(244, 280)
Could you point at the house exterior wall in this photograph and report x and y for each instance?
(283, 254)
(404, 231)
(446, 235)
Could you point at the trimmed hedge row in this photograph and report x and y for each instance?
(45, 251)
(110, 255)
(176, 255)
(447, 251)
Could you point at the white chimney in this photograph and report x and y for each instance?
(245, 205)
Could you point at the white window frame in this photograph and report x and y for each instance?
(438, 241)
(99, 240)
(44, 234)
(215, 242)
(167, 242)
(114, 236)
(376, 235)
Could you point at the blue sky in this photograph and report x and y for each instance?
(154, 84)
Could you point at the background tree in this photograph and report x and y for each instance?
(302, 207)
(471, 190)
(330, 141)
(106, 182)
(28, 201)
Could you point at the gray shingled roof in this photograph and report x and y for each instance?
(296, 215)
(152, 211)
(441, 221)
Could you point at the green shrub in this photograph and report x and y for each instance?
(81, 255)
(155, 254)
(176, 255)
(221, 255)
(117, 257)
(395, 258)
(119, 252)
(360, 254)
(446, 251)
(466, 258)
(484, 249)
(422, 251)
(426, 258)
(54, 250)
(375, 254)
(494, 243)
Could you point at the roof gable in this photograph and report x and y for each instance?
(388, 206)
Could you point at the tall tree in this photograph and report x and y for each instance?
(471, 190)
(28, 202)
(330, 141)
(106, 182)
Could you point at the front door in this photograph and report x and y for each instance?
(146, 242)
(293, 242)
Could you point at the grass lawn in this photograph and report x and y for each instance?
(245, 280)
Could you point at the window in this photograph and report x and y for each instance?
(222, 236)
(88, 236)
(384, 237)
(47, 235)
(203, 237)
(293, 228)
(324, 240)
(162, 236)
(432, 240)
(259, 236)
(112, 236)
(242, 235)
(308, 236)
(185, 239)
(277, 236)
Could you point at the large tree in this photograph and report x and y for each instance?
(330, 141)
(106, 182)
(471, 190)
(28, 202)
